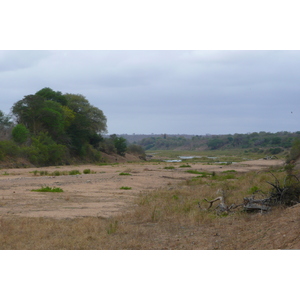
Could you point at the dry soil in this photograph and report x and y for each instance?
(98, 194)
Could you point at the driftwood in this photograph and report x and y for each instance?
(250, 204)
(222, 206)
(286, 194)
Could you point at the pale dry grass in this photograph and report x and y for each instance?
(167, 218)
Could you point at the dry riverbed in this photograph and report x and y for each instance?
(99, 193)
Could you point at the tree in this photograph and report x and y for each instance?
(67, 119)
(88, 116)
(5, 125)
(49, 94)
(215, 143)
(20, 134)
(5, 120)
(121, 145)
(27, 112)
(87, 125)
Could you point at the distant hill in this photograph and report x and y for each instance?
(256, 142)
(134, 138)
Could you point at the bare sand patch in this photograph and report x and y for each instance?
(97, 194)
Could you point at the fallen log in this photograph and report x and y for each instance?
(222, 206)
(250, 204)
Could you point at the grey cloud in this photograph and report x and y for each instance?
(15, 60)
(166, 91)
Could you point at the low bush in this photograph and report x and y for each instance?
(74, 172)
(48, 189)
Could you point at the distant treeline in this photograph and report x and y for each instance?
(50, 128)
(277, 142)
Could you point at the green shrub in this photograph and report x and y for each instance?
(45, 152)
(48, 189)
(253, 190)
(229, 171)
(20, 134)
(87, 171)
(125, 188)
(9, 148)
(56, 173)
(125, 174)
(74, 172)
(294, 152)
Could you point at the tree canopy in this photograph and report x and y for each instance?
(68, 119)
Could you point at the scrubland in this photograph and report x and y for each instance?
(168, 216)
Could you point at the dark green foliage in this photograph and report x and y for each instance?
(137, 150)
(215, 144)
(44, 151)
(59, 124)
(294, 152)
(9, 148)
(275, 151)
(74, 172)
(88, 122)
(27, 112)
(20, 134)
(164, 142)
(255, 142)
(119, 143)
(49, 94)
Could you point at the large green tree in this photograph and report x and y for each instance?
(88, 123)
(68, 119)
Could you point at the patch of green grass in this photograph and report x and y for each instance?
(43, 173)
(169, 168)
(125, 188)
(253, 189)
(185, 166)
(87, 171)
(112, 227)
(48, 189)
(56, 173)
(125, 174)
(74, 172)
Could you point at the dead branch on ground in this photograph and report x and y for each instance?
(286, 194)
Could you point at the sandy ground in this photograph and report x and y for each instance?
(96, 194)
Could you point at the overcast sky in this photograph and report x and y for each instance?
(193, 92)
